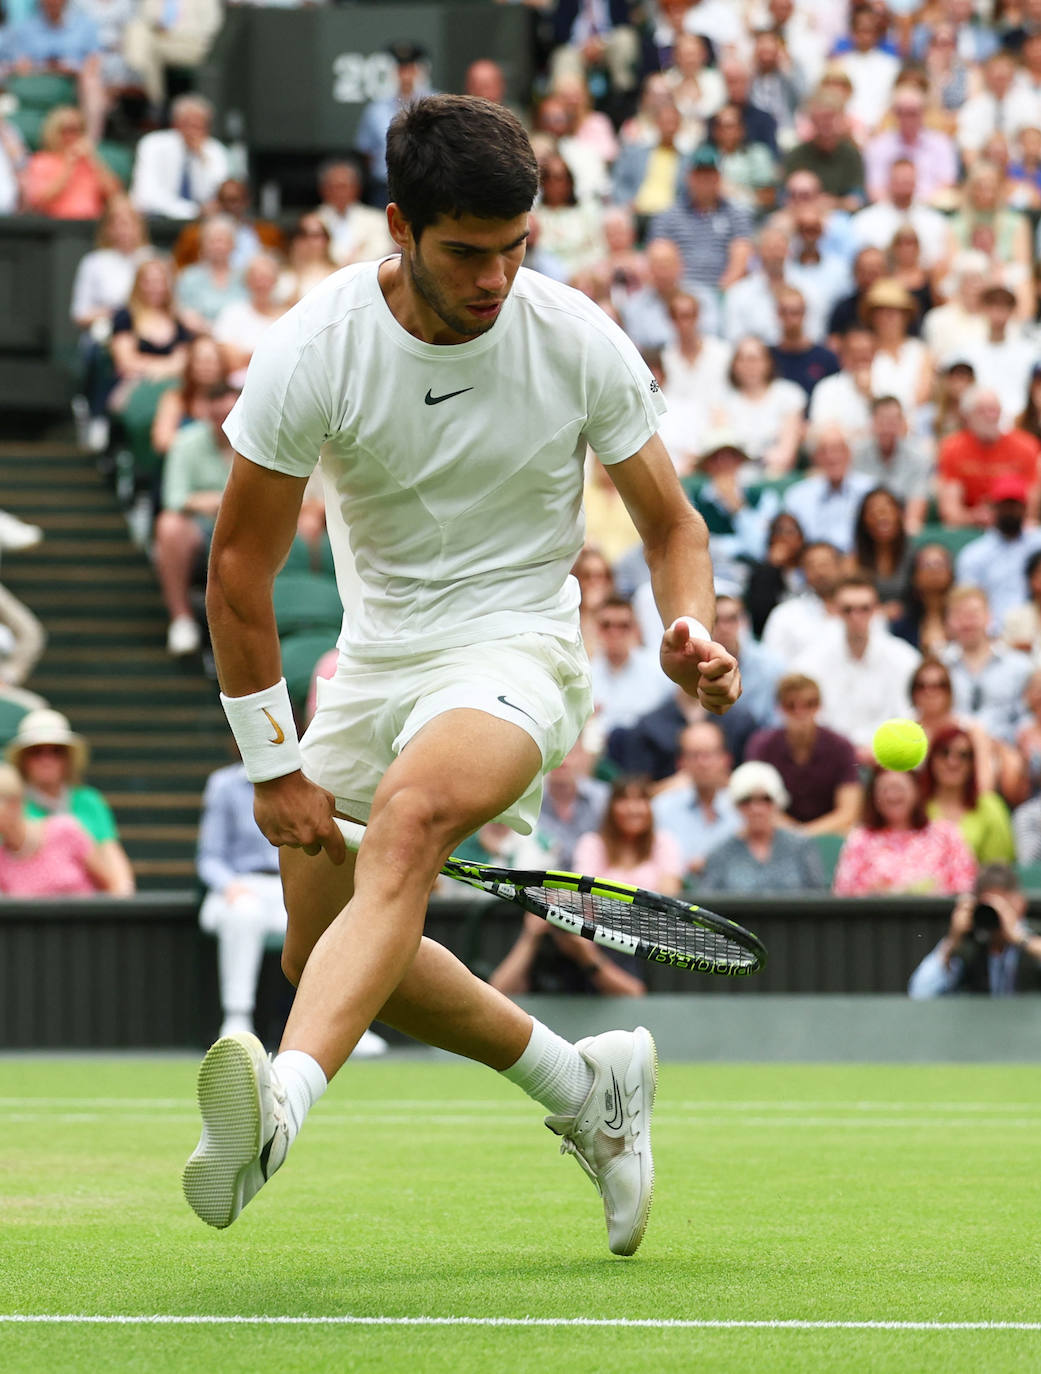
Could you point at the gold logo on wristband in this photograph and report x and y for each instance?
(279, 736)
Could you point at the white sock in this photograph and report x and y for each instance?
(552, 1071)
(304, 1082)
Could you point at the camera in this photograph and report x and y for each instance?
(985, 923)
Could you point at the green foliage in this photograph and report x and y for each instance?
(425, 1187)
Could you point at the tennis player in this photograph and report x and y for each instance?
(448, 396)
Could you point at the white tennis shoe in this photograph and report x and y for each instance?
(610, 1134)
(245, 1133)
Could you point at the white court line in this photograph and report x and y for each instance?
(422, 1105)
(665, 1323)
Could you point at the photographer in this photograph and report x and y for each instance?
(981, 951)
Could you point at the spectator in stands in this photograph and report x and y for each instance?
(988, 676)
(694, 809)
(1030, 419)
(645, 314)
(950, 328)
(737, 526)
(630, 846)
(760, 127)
(205, 287)
(359, 232)
(896, 462)
(310, 260)
(13, 157)
(902, 365)
(997, 561)
(797, 358)
(877, 224)
(240, 324)
(1003, 360)
(871, 68)
(953, 384)
(573, 802)
(998, 768)
(778, 574)
(906, 267)
(970, 459)
(164, 35)
(985, 222)
(67, 179)
(712, 234)
(695, 85)
(58, 39)
(869, 266)
(204, 371)
(750, 306)
(798, 621)
(896, 848)
(105, 275)
(868, 669)
(762, 411)
(1028, 745)
(881, 548)
(1024, 169)
(986, 940)
(953, 793)
(149, 343)
(623, 264)
(570, 229)
(845, 397)
(627, 677)
(774, 88)
(1022, 624)
(764, 856)
(818, 766)
(645, 176)
(826, 502)
(370, 139)
(51, 760)
(932, 153)
(1001, 105)
(252, 235)
(596, 583)
(695, 363)
(830, 153)
(748, 168)
(50, 856)
(177, 171)
(194, 476)
(682, 424)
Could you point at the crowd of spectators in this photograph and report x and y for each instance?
(816, 221)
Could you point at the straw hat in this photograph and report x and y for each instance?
(887, 291)
(44, 726)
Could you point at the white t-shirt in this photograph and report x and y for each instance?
(453, 474)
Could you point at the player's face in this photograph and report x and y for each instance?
(462, 270)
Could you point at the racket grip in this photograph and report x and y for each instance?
(352, 832)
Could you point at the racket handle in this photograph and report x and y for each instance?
(352, 832)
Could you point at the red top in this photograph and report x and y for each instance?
(965, 459)
(57, 869)
(933, 860)
(82, 197)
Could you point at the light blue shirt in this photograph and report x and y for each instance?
(934, 978)
(230, 841)
(69, 42)
(825, 511)
(998, 566)
(994, 695)
(680, 811)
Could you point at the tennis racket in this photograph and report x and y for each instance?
(629, 920)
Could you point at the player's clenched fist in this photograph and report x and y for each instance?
(703, 668)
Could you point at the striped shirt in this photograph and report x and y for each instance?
(703, 236)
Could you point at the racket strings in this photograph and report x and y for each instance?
(673, 929)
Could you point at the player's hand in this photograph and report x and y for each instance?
(703, 668)
(294, 811)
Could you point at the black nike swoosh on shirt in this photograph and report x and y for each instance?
(436, 400)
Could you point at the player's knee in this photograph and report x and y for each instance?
(417, 826)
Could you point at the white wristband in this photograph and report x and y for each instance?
(694, 627)
(262, 724)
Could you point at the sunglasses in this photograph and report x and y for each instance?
(755, 797)
(614, 624)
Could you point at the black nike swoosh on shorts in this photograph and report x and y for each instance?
(514, 707)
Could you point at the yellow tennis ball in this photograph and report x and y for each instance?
(900, 745)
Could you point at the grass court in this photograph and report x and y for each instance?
(806, 1218)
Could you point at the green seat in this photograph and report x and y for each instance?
(118, 158)
(306, 601)
(300, 654)
(1029, 877)
(10, 718)
(828, 847)
(29, 124)
(42, 90)
(952, 537)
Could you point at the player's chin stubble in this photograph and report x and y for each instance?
(425, 285)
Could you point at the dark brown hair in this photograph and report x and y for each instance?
(609, 831)
(871, 818)
(459, 155)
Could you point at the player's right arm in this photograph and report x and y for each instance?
(251, 540)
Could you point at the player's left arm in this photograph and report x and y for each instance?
(675, 543)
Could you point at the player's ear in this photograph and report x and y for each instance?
(400, 229)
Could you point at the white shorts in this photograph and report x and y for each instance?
(369, 710)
